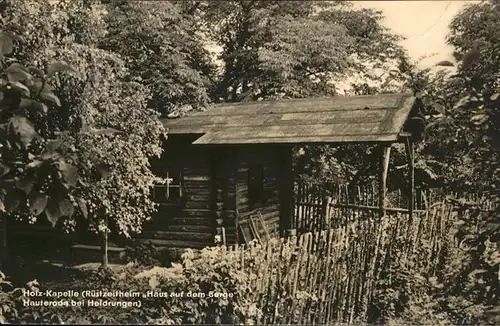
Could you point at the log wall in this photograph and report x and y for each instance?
(215, 188)
(191, 223)
(224, 190)
(269, 158)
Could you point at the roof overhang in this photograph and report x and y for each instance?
(356, 119)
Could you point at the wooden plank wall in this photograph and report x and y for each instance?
(268, 157)
(216, 186)
(224, 190)
(192, 224)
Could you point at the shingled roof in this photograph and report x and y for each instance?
(373, 118)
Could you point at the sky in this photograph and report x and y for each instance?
(424, 24)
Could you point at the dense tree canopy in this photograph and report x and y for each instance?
(102, 118)
(289, 49)
(463, 134)
(465, 147)
(164, 51)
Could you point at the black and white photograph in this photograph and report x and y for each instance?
(249, 162)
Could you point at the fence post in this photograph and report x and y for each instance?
(326, 211)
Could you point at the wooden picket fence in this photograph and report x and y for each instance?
(330, 276)
(330, 206)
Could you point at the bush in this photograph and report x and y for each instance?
(211, 286)
(461, 289)
(409, 299)
(12, 309)
(207, 287)
(8, 309)
(144, 254)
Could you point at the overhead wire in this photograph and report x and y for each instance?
(432, 26)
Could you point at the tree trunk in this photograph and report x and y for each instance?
(104, 246)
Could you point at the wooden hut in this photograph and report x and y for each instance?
(229, 168)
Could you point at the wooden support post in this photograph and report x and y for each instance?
(411, 176)
(384, 168)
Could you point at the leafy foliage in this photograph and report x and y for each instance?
(468, 100)
(478, 107)
(144, 254)
(102, 118)
(285, 49)
(476, 42)
(12, 309)
(211, 286)
(7, 301)
(37, 177)
(462, 144)
(164, 51)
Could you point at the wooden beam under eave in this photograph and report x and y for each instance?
(411, 176)
(384, 169)
(403, 137)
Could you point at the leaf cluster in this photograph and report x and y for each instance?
(37, 173)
